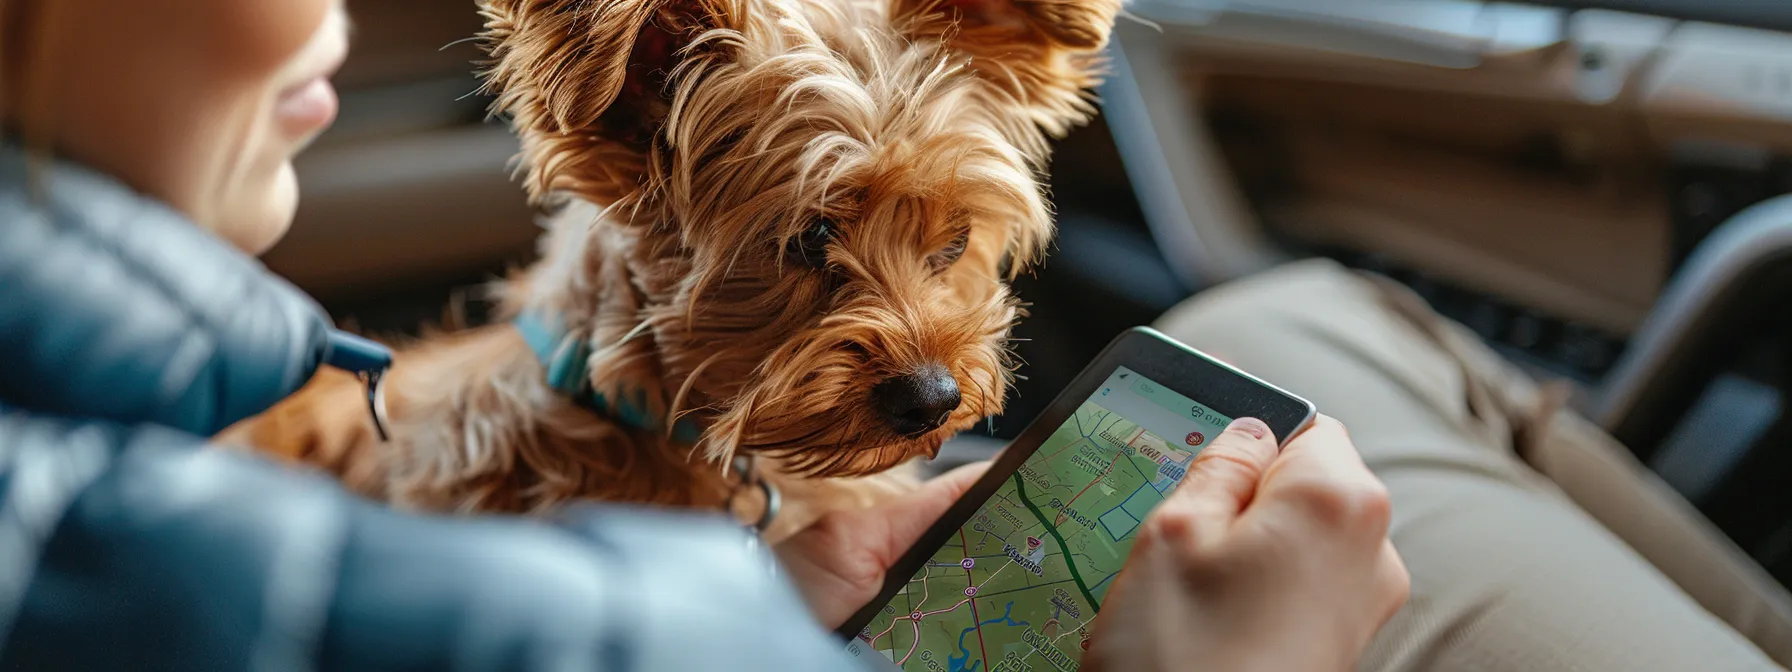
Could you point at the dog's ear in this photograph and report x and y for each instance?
(584, 82)
(1044, 53)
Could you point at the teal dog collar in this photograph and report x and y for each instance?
(567, 361)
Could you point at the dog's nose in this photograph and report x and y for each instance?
(919, 402)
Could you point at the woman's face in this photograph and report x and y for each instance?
(201, 103)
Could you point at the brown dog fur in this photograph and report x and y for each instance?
(686, 146)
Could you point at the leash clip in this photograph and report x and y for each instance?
(747, 476)
(376, 401)
(369, 361)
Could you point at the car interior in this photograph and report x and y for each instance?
(1594, 188)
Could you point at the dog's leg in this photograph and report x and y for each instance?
(326, 425)
(474, 427)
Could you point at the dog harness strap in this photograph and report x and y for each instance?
(568, 362)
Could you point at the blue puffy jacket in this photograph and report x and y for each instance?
(127, 334)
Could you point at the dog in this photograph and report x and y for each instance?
(781, 229)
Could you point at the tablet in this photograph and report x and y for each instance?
(1013, 576)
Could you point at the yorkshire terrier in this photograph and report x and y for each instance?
(781, 229)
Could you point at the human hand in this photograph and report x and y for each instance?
(839, 562)
(1258, 561)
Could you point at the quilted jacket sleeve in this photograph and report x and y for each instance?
(114, 306)
(127, 544)
(138, 549)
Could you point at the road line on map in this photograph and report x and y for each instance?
(1147, 479)
(1021, 490)
(1035, 649)
(873, 640)
(975, 588)
(1016, 590)
(917, 621)
(992, 576)
(908, 596)
(1079, 429)
(976, 619)
(1054, 642)
(1098, 478)
(950, 609)
(924, 586)
(916, 643)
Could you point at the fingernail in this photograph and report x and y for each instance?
(1251, 426)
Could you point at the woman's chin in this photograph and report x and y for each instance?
(259, 227)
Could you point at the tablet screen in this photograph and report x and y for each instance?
(1020, 584)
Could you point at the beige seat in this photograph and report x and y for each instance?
(1535, 541)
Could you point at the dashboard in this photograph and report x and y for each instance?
(1541, 171)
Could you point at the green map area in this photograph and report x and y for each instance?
(1020, 585)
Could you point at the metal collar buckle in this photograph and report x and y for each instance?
(747, 477)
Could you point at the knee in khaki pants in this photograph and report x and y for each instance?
(1510, 572)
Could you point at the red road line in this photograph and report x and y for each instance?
(976, 621)
(1104, 474)
(1060, 451)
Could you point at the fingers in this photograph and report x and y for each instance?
(953, 484)
(918, 510)
(1221, 482)
(883, 533)
(931, 500)
(1322, 448)
(838, 563)
(1393, 580)
(1323, 478)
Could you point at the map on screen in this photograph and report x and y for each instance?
(1019, 586)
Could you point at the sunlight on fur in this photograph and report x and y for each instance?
(791, 221)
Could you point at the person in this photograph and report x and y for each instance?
(1536, 541)
(148, 147)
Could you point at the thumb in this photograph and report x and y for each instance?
(923, 507)
(1221, 482)
(839, 562)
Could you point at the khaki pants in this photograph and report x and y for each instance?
(1534, 540)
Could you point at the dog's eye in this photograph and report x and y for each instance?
(810, 248)
(944, 258)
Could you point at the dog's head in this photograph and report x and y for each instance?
(818, 203)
